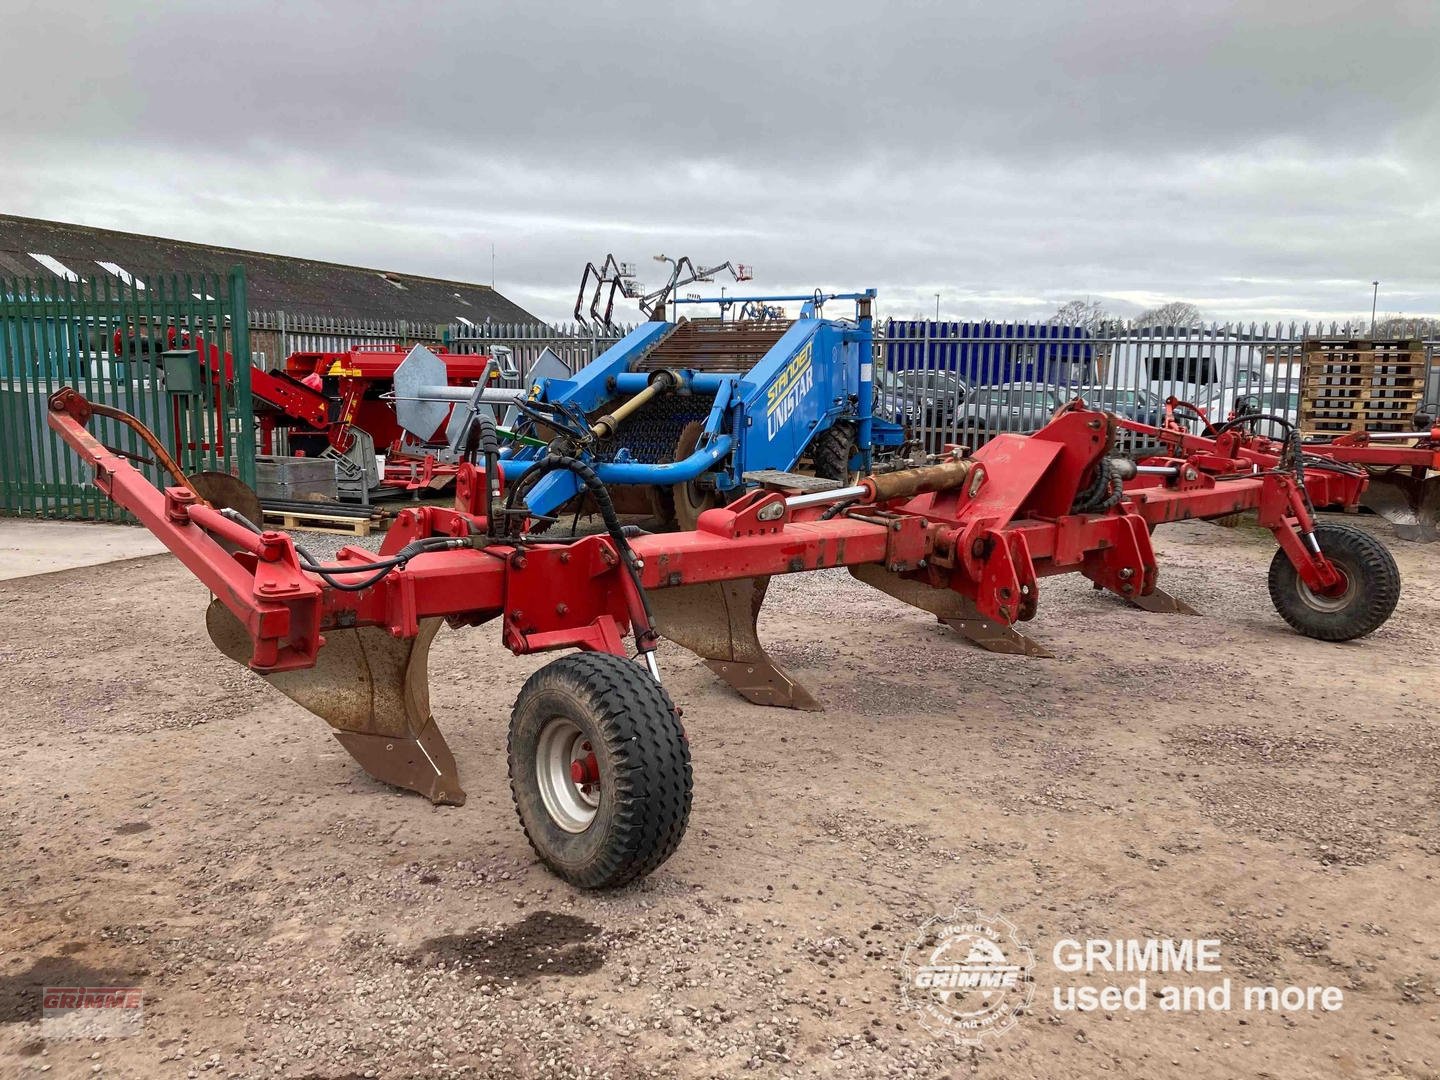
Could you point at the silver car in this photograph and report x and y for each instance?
(1017, 407)
(919, 398)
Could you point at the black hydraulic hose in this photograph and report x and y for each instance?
(311, 564)
(1105, 490)
(592, 483)
(488, 444)
(1294, 452)
(1324, 464)
(1246, 418)
(835, 509)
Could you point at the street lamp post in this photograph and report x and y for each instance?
(937, 307)
(1374, 299)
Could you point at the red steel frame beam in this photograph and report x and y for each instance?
(990, 538)
(1356, 449)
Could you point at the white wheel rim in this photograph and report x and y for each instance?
(571, 796)
(1328, 604)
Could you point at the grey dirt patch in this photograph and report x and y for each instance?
(1334, 827)
(543, 943)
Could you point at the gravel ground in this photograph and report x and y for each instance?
(171, 822)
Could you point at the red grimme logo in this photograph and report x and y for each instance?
(60, 999)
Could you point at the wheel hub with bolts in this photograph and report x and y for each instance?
(1334, 599)
(568, 775)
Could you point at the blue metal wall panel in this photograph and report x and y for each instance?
(987, 354)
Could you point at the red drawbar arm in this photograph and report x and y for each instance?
(294, 641)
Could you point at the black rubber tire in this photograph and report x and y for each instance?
(643, 760)
(832, 449)
(689, 500)
(1370, 598)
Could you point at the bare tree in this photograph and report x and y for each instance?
(1404, 326)
(1173, 313)
(1088, 312)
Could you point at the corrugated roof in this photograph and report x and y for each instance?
(276, 282)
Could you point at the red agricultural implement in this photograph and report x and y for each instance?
(1403, 467)
(1404, 476)
(335, 404)
(361, 378)
(599, 764)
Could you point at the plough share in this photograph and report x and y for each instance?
(598, 760)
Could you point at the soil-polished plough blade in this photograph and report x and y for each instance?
(374, 690)
(1162, 603)
(954, 610)
(1409, 503)
(716, 621)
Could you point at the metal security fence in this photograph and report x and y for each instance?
(274, 335)
(966, 382)
(108, 339)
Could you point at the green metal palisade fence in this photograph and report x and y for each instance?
(57, 331)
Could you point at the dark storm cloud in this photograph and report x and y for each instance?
(1258, 158)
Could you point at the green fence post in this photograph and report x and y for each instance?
(244, 407)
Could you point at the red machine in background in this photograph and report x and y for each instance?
(1402, 467)
(326, 402)
(599, 763)
(358, 380)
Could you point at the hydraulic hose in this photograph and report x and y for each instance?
(381, 567)
(483, 440)
(592, 483)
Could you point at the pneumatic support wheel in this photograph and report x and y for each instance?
(599, 769)
(1368, 596)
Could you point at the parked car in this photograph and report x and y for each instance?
(1127, 401)
(1018, 407)
(919, 398)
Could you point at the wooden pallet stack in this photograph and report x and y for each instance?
(326, 518)
(1360, 385)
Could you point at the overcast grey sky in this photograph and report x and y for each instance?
(1262, 160)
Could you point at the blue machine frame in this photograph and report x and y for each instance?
(818, 373)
